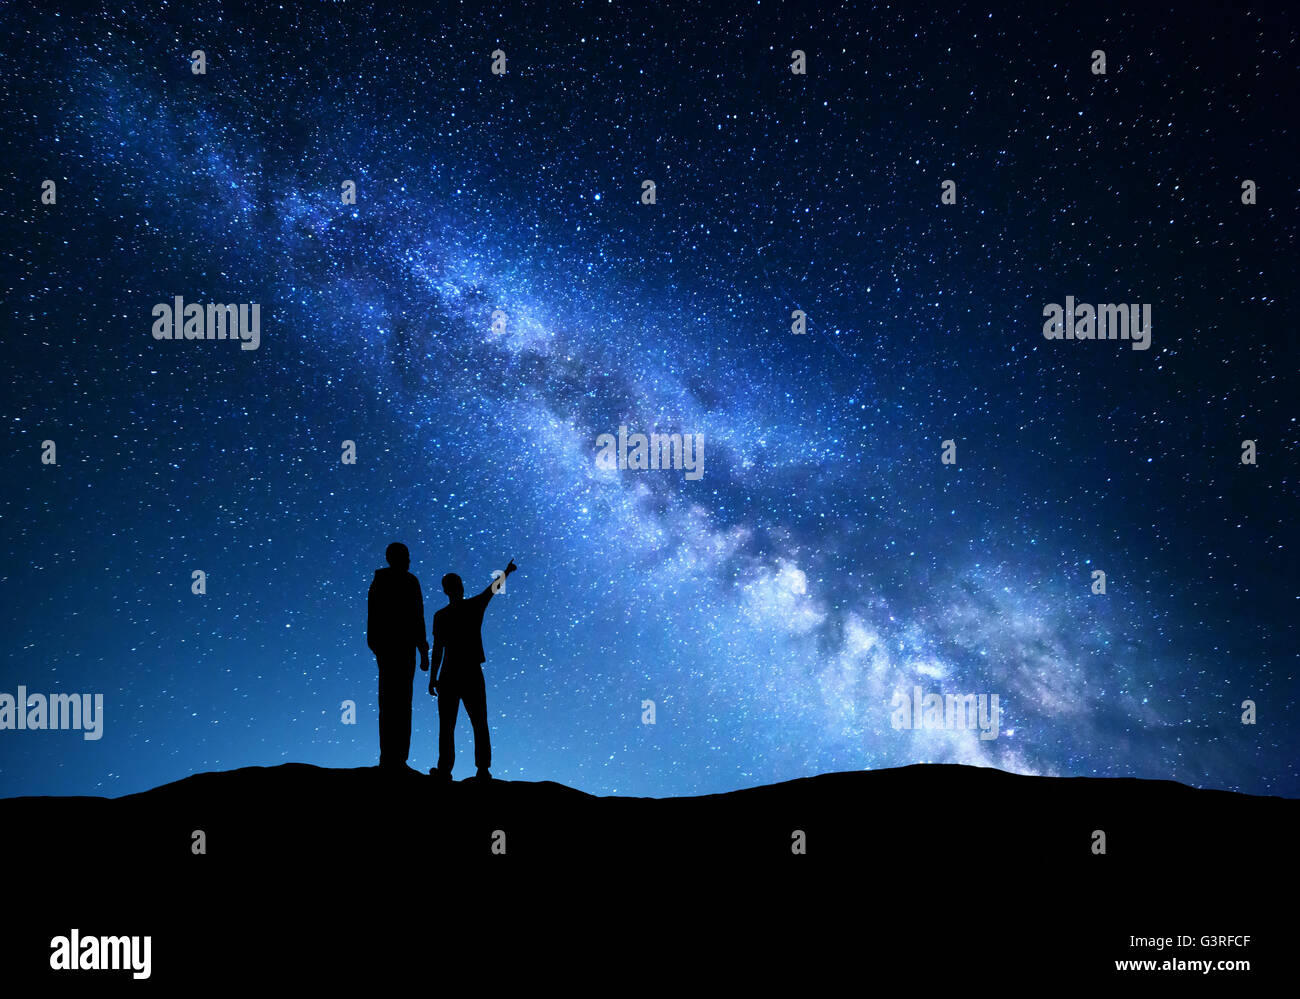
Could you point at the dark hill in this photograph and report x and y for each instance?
(318, 864)
(296, 815)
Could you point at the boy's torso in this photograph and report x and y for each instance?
(458, 627)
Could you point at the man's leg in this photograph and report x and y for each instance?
(475, 697)
(387, 683)
(402, 709)
(448, 706)
(396, 677)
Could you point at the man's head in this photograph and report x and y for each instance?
(398, 555)
(452, 586)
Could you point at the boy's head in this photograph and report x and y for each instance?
(398, 555)
(452, 586)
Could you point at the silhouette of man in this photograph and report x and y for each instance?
(394, 630)
(458, 671)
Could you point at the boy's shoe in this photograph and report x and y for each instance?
(483, 774)
(441, 776)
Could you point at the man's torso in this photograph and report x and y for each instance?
(396, 615)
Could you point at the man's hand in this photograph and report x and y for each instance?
(433, 687)
(511, 567)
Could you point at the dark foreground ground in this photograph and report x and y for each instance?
(925, 878)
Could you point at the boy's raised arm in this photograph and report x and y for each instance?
(492, 586)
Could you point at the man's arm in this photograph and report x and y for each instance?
(370, 618)
(491, 587)
(423, 644)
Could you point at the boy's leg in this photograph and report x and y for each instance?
(396, 677)
(448, 706)
(475, 697)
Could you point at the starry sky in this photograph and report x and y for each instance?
(827, 557)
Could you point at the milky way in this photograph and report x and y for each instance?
(826, 558)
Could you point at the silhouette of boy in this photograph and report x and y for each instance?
(458, 652)
(394, 630)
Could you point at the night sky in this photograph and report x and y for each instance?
(827, 557)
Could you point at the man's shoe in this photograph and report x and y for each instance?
(442, 776)
(483, 774)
